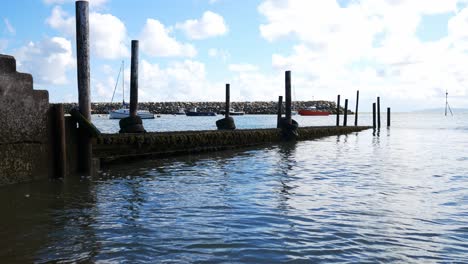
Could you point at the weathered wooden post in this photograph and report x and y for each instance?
(83, 77)
(338, 111)
(133, 123)
(227, 123)
(280, 111)
(227, 107)
(357, 108)
(288, 97)
(373, 116)
(60, 151)
(134, 79)
(378, 112)
(388, 116)
(288, 125)
(345, 118)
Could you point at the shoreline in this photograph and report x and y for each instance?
(252, 108)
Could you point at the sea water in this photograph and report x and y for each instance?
(395, 195)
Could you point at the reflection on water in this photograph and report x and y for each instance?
(354, 198)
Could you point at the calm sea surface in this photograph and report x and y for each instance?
(400, 195)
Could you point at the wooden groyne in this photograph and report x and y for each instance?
(115, 147)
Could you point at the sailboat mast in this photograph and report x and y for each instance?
(447, 106)
(123, 83)
(446, 101)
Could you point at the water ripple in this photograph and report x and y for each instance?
(349, 199)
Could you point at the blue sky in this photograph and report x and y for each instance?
(408, 52)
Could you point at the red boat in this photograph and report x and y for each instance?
(312, 111)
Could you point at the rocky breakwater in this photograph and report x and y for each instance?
(255, 108)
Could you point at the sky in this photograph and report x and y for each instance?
(408, 52)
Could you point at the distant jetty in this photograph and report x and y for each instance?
(252, 108)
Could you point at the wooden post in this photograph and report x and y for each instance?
(357, 108)
(378, 112)
(134, 79)
(60, 151)
(280, 111)
(288, 97)
(83, 71)
(388, 116)
(338, 111)
(373, 115)
(228, 101)
(345, 119)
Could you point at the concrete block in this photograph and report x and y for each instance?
(23, 122)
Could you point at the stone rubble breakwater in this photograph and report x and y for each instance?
(254, 108)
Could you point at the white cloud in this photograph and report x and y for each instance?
(9, 27)
(179, 81)
(244, 67)
(222, 54)
(369, 45)
(108, 34)
(48, 60)
(103, 90)
(257, 86)
(61, 21)
(210, 25)
(3, 44)
(92, 3)
(187, 81)
(156, 41)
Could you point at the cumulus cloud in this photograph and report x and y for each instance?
(187, 81)
(210, 25)
(47, 60)
(9, 27)
(3, 44)
(221, 54)
(256, 86)
(155, 40)
(369, 45)
(179, 81)
(244, 67)
(108, 34)
(61, 21)
(92, 3)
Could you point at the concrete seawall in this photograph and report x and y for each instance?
(115, 147)
(24, 142)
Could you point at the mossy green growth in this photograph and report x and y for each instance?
(108, 145)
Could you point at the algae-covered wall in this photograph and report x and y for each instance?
(111, 147)
(23, 120)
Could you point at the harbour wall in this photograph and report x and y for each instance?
(115, 147)
(255, 108)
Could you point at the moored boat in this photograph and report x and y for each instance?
(312, 111)
(180, 112)
(233, 112)
(125, 112)
(194, 112)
